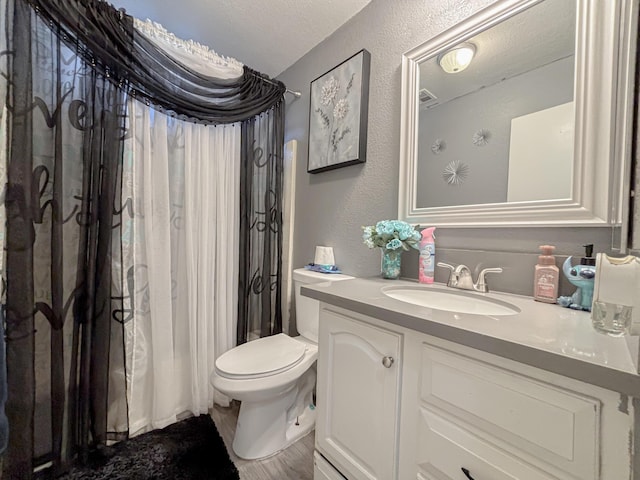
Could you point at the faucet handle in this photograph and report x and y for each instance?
(446, 265)
(451, 281)
(481, 284)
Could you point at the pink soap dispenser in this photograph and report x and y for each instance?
(546, 276)
(427, 263)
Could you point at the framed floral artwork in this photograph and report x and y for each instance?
(338, 115)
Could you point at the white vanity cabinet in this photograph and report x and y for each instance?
(358, 391)
(442, 407)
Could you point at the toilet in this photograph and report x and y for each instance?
(274, 380)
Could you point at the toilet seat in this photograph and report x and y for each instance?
(261, 358)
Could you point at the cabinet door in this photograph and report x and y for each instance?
(447, 449)
(357, 396)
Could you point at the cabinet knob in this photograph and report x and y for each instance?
(466, 473)
(387, 361)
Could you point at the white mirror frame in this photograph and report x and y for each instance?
(604, 76)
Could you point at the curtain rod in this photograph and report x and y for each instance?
(295, 93)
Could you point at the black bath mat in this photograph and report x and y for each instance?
(188, 450)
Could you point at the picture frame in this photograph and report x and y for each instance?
(338, 115)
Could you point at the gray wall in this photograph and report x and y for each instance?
(332, 206)
(492, 109)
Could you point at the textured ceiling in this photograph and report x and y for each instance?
(268, 35)
(538, 36)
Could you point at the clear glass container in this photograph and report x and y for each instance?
(611, 318)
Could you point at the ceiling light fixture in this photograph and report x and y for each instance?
(458, 58)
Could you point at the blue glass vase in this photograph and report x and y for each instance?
(390, 267)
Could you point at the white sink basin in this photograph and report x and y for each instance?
(458, 301)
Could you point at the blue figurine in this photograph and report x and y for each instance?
(582, 276)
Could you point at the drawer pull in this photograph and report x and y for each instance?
(466, 473)
(387, 361)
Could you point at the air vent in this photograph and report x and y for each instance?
(426, 95)
(427, 99)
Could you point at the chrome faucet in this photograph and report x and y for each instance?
(460, 277)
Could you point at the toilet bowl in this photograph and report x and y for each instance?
(273, 399)
(274, 380)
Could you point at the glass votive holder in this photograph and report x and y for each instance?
(612, 319)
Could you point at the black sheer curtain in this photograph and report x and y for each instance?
(261, 176)
(67, 125)
(72, 65)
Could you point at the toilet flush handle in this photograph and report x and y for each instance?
(387, 361)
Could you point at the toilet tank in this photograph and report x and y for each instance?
(308, 309)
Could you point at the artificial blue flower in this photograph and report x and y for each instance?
(405, 231)
(393, 244)
(384, 227)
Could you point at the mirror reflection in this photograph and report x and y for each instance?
(496, 113)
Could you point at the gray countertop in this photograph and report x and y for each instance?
(545, 336)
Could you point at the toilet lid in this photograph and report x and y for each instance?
(263, 357)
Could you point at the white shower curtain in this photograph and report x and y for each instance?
(180, 181)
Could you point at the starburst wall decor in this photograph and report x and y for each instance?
(455, 173)
(438, 146)
(481, 137)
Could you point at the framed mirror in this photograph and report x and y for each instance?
(520, 115)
